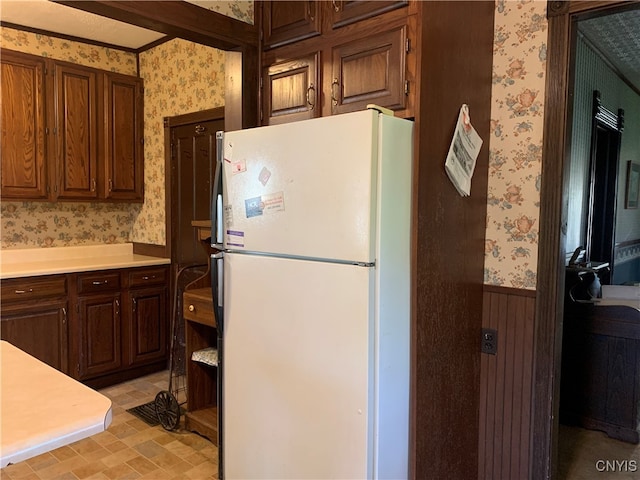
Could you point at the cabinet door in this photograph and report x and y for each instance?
(100, 335)
(147, 329)
(291, 90)
(76, 133)
(24, 174)
(40, 329)
(124, 162)
(369, 70)
(289, 21)
(346, 12)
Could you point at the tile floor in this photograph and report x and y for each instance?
(581, 452)
(129, 449)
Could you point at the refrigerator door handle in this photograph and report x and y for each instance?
(217, 284)
(216, 197)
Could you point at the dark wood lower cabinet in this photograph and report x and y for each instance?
(600, 381)
(123, 334)
(39, 330)
(147, 326)
(100, 335)
(100, 327)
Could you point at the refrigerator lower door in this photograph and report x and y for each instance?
(298, 373)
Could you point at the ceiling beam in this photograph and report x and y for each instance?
(176, 18)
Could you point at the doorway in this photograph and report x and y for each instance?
(602, 196)
(563, 19)
(193, 157)
(190, 141)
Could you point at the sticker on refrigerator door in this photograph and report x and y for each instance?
(235, 238)
(228, 215)
(228, 152)
(239, 167)
(264, 176)
(264, 205)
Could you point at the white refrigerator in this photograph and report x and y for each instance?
(313, 289)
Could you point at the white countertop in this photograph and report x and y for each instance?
(42, 409)
(30, 262)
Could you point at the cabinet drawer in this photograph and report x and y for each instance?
(98, 282)
(18, 289)
(198, 306)
(148, 276)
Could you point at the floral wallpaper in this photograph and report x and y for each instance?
(239, 9)
(180, 77)
(515, 146)
(34, 224)
(69, 51)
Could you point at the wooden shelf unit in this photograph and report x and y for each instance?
(201, 333)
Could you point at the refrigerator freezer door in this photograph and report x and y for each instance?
(297, 369)
(303, 188)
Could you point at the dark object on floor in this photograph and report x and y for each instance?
(167, 410)
(146, 413)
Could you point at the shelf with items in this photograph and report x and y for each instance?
(201, 347)
(202, 378)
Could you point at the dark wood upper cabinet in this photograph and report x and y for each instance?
(70, 132)
(24, 167)
(369, 70)
(290, 21)
(369, 61)
(76, 132)
(345, 12)
(291, 90)
(123, 148)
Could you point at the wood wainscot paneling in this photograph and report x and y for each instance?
(506, 383)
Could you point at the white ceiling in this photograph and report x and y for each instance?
(617, 36)
(53, 17)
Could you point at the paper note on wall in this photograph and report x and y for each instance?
(463, 153)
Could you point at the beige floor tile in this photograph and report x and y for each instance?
(121, 472)
(129, 449)
(142, 465)
(90, 469)
(85, 446)
(17, 471)
(58, 469)
(166, 460)
(42, 461)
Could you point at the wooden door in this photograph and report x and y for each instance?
(123, 149)
(40, 329)
(291, 90)
(192, 172)
(147, 326)
(100, 334)
(346, 12)
(289, 21)
(24, 173)
(369, 70)
(76, 133)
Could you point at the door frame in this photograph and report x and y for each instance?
(562, 16)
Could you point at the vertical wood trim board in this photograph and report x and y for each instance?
(505, 385)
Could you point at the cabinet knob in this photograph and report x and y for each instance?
(192, 308)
